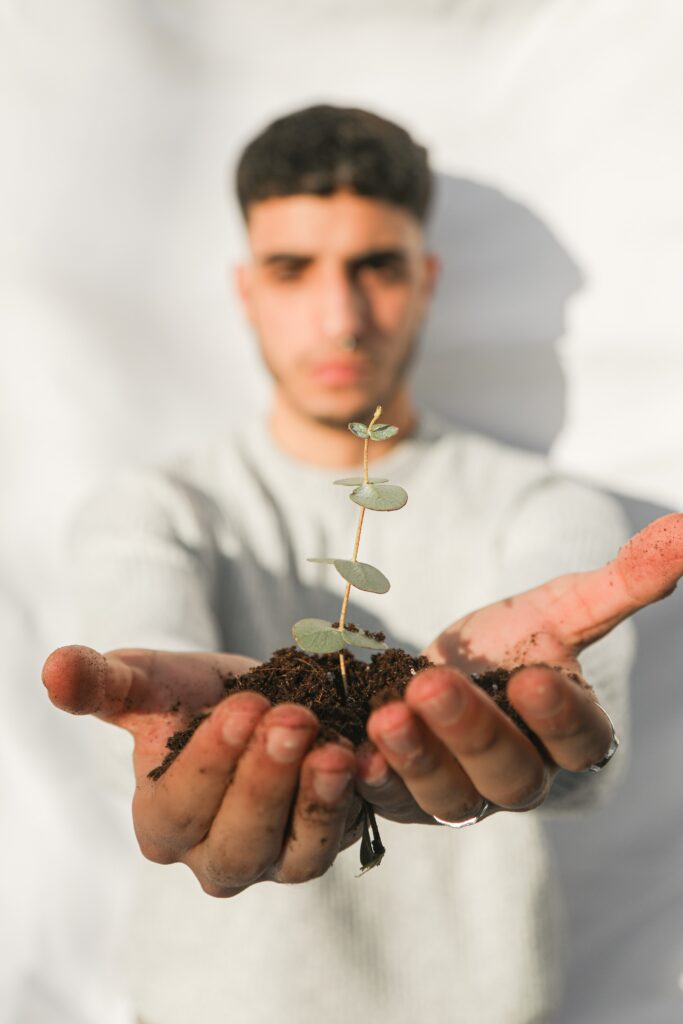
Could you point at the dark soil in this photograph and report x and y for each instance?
(314, 680)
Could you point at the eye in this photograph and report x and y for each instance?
(287, 269)
(386, 267)
(287, 272)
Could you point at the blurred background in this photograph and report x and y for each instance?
(555, 129)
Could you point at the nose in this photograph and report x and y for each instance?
(342, 308)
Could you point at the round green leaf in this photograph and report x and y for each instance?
(317, 636)
(362, 576)
(359, 429)
(362, 639)
(379, 497)
(355, 481)
(381, 431)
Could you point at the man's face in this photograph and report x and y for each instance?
(324, 270)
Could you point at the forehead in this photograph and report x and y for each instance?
(339, 224)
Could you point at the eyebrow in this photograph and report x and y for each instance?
(272, 259)
(394, 254)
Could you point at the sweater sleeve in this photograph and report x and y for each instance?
(143, 566)
(558, 526)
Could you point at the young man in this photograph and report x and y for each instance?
(210, 556)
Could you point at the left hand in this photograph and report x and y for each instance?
(251, 799)
(447, 747)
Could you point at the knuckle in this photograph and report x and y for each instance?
(237, 871)
(316, 813)
(417, 765)
(219, 892)
(156, 852)
(162, 837)
(527, 795)
(577, 749)
(297, 874)
(480, 741)
(565, 730)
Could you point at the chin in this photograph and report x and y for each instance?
(344, 410)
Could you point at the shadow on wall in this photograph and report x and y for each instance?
(489, 357)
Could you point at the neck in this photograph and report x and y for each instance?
(323, 444)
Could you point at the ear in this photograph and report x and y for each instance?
(242, 282)
(432, 267)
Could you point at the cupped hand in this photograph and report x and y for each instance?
(446, 749)
(250, 799)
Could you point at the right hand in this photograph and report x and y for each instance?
(445, 746)
(248, 799)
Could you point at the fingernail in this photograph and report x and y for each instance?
(377, 780)
(373, 769)
(446, 705)
(286, 745)
(237, 728)
(329, 786)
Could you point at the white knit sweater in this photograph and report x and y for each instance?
(455, 926)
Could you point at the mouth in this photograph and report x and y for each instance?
(340, 372)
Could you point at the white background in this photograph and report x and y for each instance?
(555, 128)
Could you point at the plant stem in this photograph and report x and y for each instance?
(354, 557)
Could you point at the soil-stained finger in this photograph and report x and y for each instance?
(248, 831)
(386, 791)
(502, 763)
(173, 812)
(320, 815)
(564, 714)
(124, 685)
(429, 771)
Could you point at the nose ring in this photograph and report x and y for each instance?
(350, 343)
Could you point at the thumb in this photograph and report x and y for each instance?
(82, 681)
(123, 684)
(651, 563)
(645, 570)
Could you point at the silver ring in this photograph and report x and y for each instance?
(611, 750)
(350, 343)
(479, 816)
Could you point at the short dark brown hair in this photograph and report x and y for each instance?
(325, 149)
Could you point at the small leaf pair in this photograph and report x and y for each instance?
(320, 637)
(374, 432)
(375, 492)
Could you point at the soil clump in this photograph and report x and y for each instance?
(314, 680)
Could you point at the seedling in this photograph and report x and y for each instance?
(318, 636)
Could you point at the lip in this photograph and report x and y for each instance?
(339, 372)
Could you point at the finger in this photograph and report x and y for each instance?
(174, 812)
(564, 714)
(429, 772)
(320, 815)
(379, 784)
(501, 762)
(122, 684)
(247, 834)
(585, 606)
